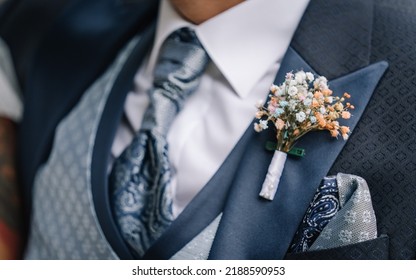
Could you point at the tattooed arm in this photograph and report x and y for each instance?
(10, 219)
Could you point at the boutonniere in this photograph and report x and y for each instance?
(302, 103)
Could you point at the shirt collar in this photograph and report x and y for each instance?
(259, 31)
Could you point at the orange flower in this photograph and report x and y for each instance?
(321, 122)
(346, 95)
(346, 115)
(344, 129)
(318, 95)
(329, 126)
(334, 133)
(296, 132)
(327, 92)
(315, 103)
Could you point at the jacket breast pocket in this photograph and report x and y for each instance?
(375, 249)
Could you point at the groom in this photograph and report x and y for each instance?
(84, 96)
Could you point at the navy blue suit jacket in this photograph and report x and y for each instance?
(347, 42)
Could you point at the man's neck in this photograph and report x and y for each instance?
(198, 11)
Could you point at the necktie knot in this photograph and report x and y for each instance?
(178, 70)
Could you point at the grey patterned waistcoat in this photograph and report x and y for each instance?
(64, 223)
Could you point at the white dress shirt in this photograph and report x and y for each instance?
(246, 45)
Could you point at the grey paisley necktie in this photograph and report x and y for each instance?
(141, 176)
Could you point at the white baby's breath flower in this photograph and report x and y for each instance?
(302, 90)
(321, 83)
(292, 104)
(300, 117)
(307, 101)
(322, 110)
(300, 77)
(289, 76)
(309, 76)
(293, 90)
(293, 83)
(263, 124)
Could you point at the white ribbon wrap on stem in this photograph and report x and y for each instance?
(270, 184)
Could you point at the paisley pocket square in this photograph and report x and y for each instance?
(341, 213)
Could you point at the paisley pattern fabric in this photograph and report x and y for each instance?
(322, 209)
(141, 176)
(355, 222)
(340, 214)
